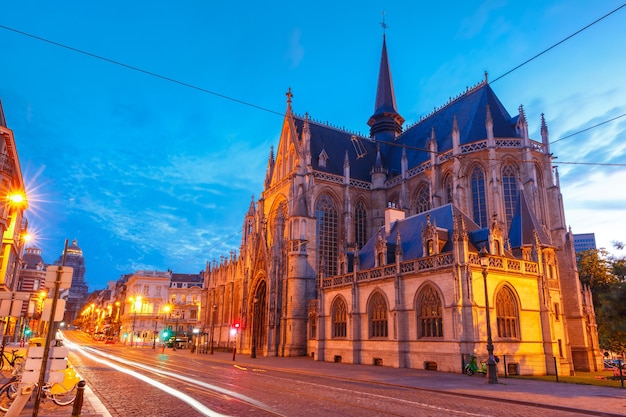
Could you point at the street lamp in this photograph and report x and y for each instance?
(213, 325)
(254, 325)
(492, 371)
(166, 309)
(175, 331)
(156, 319)
(136, 303)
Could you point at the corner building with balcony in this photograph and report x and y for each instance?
(366, 250)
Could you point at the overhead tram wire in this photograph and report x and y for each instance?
(247, 103)
(281, 114)
(558, 43)
(143, 71)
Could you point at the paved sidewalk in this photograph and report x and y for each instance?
(598, 401)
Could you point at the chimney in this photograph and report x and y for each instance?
(392, 214)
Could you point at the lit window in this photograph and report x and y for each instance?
(340, 322)
(430, 319)
(506, 311)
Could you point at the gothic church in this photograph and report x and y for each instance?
(389, 250)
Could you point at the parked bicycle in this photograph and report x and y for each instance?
(61, 393)
(11, 362)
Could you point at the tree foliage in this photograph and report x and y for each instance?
(605, 274)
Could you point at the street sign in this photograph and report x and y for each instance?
(15, 307)
(66, 276)
(47, 308)
(56, 364)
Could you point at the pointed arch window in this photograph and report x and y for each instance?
(422, 200)
(326, 231)
(479, 203)
(360, 224)
(430, 318)
(509, 191)
(447, 189)
(340, 318)
(378, 316)
(507, 314)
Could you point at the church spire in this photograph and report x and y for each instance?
(386, 123)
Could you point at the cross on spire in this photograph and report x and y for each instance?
(383, 24)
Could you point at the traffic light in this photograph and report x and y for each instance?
(235, 328)
(165, 334)
(27, 331)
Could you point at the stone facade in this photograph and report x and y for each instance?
(366, 250)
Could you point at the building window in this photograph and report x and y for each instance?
(557, 312)
(327, 242)
(479, 204)
(360, 224)
(313, 320)
(422, 200)
(378, 316)
(340, 318)
(506, 311)
(509, 188)
(430, 319)
(447, 189)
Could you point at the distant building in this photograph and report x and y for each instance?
(13, 224)
(32, 280)
(368, 249)
(79, 290)
(584, 241)
(139, 306)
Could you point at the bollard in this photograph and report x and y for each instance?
(78, 401)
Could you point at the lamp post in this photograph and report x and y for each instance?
(213, 325)
(136, 303)
(492, 371)
(156, 319)
(254, 326)
(175, 331)
(167, 310)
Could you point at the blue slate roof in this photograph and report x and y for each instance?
(410, 230)
(523, 226)
(470, 110)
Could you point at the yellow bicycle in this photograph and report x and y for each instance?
(62, 393)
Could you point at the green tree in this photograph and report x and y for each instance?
(603, 274)
(595, 270)
(611, 318)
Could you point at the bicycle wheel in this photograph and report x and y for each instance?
(8, 393)
(65, 398)
(18, 365)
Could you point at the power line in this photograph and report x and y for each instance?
(143, 71)
(589, 128)
(558, 43)
(247, 103)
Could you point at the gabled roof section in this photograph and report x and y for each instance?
(410, 230)
(470, 110)
(523, 226)
(336, 143)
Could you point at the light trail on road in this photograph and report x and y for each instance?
(168, 390)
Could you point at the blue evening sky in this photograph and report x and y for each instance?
(153, 174)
